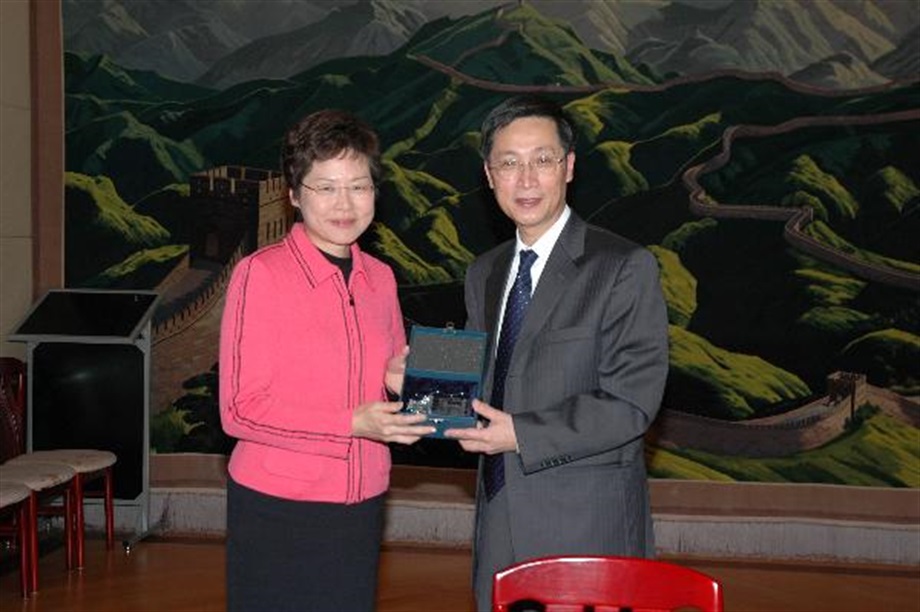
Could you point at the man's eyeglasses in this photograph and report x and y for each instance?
(361, 190)
(508, 167)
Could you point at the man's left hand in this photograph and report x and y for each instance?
(496, 437)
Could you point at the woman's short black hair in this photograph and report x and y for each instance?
(324, 135)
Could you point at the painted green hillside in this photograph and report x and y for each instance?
(862, 183)
(888, 356)
(710, 381)
(136, 155)
(677, 284)
(767, 300)
(535, 50)
(169, 206)
(140, 270)
(882, 451)
(98, 76)
(826, 235)
(110, 230)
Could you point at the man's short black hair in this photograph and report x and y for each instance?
(527, 105)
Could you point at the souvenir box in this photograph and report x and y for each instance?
(444, 373)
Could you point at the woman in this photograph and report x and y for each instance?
(311, 340)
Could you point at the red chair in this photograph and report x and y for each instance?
(89, 465)
(603, 584)
(45, 484)
(15, 526)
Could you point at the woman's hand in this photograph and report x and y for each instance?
(396, 371)
(382, 421)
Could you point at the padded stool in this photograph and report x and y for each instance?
(45, 481)
(14, 501)
(89, 465)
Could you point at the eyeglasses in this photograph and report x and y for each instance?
(327, 192)
(544, 164)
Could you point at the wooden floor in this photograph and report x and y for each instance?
(189, 575)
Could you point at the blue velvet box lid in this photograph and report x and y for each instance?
(444, 373)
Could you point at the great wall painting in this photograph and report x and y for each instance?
(765, 152)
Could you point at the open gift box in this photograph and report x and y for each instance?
(444, 373)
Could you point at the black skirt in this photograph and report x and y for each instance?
(296, 555)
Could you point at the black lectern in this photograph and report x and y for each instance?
(89, 376)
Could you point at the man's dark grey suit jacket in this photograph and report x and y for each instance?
(585, 382)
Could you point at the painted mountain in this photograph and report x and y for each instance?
(219, 43)
(782, 213)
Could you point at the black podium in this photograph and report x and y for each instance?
(89, 378)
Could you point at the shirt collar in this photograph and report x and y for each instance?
(545, 243)
(321, 267)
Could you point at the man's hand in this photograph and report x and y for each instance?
(496, 437)
(382, 421)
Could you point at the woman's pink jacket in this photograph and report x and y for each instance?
(299, 351)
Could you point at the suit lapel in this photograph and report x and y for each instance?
(495, 285)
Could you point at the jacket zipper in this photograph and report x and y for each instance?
(353, 491)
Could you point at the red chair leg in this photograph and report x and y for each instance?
(109, 509)
(69, 523)
(79, 519)
(24, 536)
(32, 543)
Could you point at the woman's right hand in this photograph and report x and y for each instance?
(383, 421)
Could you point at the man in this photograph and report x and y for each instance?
(570, 398)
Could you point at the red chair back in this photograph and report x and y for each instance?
(603, 583)
(12, 408)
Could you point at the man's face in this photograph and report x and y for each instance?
(528, 171)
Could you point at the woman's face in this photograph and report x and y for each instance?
(336, 200)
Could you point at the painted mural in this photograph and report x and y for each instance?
(764, 150)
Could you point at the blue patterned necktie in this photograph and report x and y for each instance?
(515, 309)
